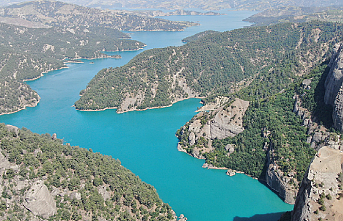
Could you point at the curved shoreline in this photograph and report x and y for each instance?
(148, 108)
(23, 108)
(65, 67)
(76, 62)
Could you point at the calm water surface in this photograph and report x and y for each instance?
(145, 141)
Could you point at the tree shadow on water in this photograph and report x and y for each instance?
(261, 217)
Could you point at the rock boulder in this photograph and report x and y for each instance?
(39, 200)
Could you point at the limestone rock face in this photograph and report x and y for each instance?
(228, 122)
(75, 195)
(334, 79)
(191, 138)
(334, 88)
(279, 183)
(303, 113)
(337, 114)
(4, 163)
(40, 201)
(321, 178)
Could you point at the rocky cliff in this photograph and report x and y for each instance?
(333, 87)
(319, 196)
(279, 183)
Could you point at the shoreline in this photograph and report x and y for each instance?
(25, 106)
(229, 172)
(81, 62)
(148, 108)
(61, 68)
(45, 72)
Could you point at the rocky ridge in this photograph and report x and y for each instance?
(195, 141)
(320, 193)
(206, 5)
(318, 137)
(296, 14)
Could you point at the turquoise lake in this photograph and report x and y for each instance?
(144, 141)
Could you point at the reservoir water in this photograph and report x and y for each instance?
(145, 141)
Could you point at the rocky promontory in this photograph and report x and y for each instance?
(197, 135)
(320, 193)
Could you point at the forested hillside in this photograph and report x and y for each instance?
(38, 36)
(71, 182)
(285, 124)
(214, 65)
(26, 53)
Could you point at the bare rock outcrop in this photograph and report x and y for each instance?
(334, 88)
(300, 111)
(40, 201)
(337, 114)
(4, 163)
(319, 196)
(104, 193)
(334, 79)
(278, 182)
(13, 129)
(226, 121)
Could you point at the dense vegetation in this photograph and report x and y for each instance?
(313, 97)
(197, 36)
(287, 139)
(270, 125)
(67, 170)
(210, 66)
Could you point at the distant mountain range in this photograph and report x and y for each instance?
(203, 4)
(56, 13)
(297, 14)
